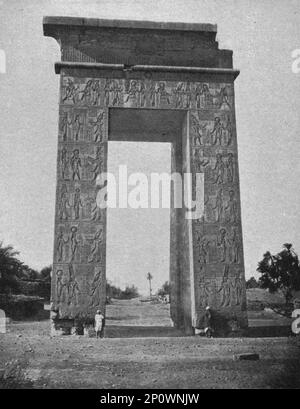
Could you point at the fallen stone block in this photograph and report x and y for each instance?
(246, 357)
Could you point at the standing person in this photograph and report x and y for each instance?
(99, 324)
(207, 322)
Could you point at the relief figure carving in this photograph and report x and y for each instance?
(71, 92)
(64, 163)
(65, 126)
(95, 164)
(96, 289)
(223, 245)
(76, 165)
(60, 246)
(225, 289)
(232, 208)
(199, 130)
(98, 127)
(77, 204)
(230, 168)
(95, 255)
(219, 170)
(74, 243)
(77, 126)
(219, 206)
(235, 247)
(64, 204)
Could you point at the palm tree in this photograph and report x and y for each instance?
(149, 278)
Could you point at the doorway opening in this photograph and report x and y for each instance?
(138, 242)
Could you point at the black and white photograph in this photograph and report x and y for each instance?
(149, 185)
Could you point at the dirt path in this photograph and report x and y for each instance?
(29, 357)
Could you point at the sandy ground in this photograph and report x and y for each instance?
(30, 358)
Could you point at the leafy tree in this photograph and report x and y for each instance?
(149, 278)
(112, 291)
(164, 290)
(116, 292)
(11, 268)
(280, 272)
(45, 286)
(45, 274)
(130, 292)
(29, 273)
(252, 283)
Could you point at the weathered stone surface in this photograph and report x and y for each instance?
(246, 357)
(194, 110)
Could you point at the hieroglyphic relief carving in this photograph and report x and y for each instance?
(235, 243)
(113, 90)
(135, 93)
(91, 92)
(65, 126)
(207, 98)
(60, 246)
(223, 171)
(140, 93)
(97, 240)
(163, 97)
(67, 288)
(231, 289)
(199, 129)
(225, 288)
(73, 287)
(219, 206)
(97, 127)
(204, 98)
(77, 204)
(204, 293)
(71, 92)
(96, 164)
(225, 210)
(64, 204)
(96, 288)
(230, 168)
(219, 170)
(60, 286)
(159, 95)
(223, 99)
(217, 132)
(212, 137)
(228, 131)
(203, 249)
(222, 132)
(232, 208)
(182, 95)
(77, 125)
(74, 243)
(222, 245)
(64, 163)
(76, 165)
(238, 286)
(95, 211)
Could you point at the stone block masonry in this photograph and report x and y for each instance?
(167, 82)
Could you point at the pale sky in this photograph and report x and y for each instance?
(262, 35)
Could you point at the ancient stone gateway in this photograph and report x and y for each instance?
(146, 81)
